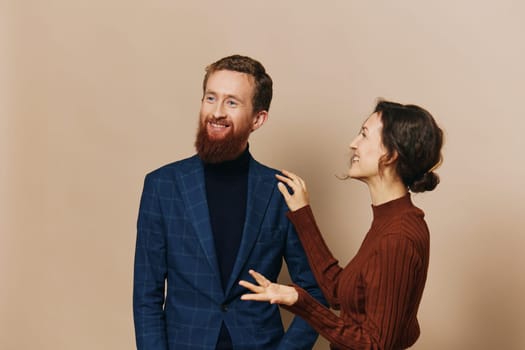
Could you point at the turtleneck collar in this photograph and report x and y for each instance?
(392, 207)
(231, 167)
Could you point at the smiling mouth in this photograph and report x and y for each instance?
(218, 124)
(354, 159)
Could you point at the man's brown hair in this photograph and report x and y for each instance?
(262, 95)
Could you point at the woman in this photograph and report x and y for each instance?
(379, 291)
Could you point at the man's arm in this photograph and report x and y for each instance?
(150, 272)
(300, 335)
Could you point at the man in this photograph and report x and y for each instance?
(205, 221)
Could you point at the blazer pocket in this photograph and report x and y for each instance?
(271, 236)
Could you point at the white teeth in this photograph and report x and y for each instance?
(217, 125)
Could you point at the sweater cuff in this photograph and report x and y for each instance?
(306, 306)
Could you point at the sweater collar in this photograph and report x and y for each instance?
(238, 165)
(392, 207)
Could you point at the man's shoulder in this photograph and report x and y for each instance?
(180, 166)
(263, 169)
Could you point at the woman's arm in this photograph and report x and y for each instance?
(392, 274)
(325, 267)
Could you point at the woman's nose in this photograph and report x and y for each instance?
(353, 144)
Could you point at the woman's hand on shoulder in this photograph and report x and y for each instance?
(299, 196)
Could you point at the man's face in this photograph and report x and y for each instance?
(226, 116)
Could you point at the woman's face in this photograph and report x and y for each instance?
(367, 149)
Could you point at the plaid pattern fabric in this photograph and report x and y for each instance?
(175, 249)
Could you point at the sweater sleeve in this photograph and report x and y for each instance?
(391, 275)
(325, 267)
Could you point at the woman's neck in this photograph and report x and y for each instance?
(386, 189)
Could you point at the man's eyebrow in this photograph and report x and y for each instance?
(235, 97)
(211, 92)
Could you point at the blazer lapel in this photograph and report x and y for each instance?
(260, 189)
(194, 195)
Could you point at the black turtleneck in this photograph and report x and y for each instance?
(226, 190)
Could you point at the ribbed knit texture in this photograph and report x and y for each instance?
(379, 291)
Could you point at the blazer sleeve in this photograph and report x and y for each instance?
(300, 334)
(150, 272)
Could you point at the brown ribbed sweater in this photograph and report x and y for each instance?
(379, 291)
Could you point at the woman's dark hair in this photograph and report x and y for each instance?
(412, 133)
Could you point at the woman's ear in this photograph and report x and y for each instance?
(391, 159)
(388, 160)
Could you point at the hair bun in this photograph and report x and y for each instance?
(427, 182)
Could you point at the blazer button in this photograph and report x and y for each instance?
(224, 307)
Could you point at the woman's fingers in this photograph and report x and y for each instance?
(286, 180)
(284, 191)
(292, 176)
(256, 297)
(268, 291)
(288, 176)
(292, 179)
(263, 282)
(259, 291)
(288, 173)
(301, 181)
(251, 286)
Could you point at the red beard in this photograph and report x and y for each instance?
(217, 151)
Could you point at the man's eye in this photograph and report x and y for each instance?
(231, 103)
(210, 98)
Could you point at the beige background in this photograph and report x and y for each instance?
(95, 94)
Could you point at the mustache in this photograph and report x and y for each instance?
(220, 120)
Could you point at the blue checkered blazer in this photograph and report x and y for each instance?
(175, 249)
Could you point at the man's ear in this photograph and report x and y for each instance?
(259, 119)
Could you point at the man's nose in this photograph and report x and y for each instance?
(218, 112)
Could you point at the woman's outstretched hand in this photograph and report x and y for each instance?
(299, 197)
(268, 291)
